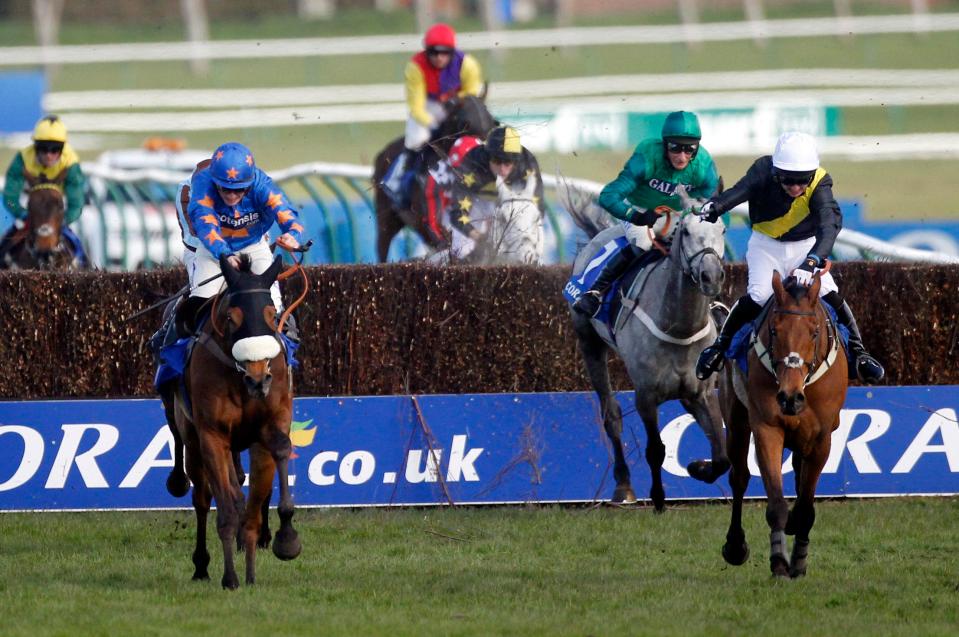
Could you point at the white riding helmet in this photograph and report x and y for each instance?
(796, 152)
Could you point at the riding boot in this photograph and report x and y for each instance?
(393, 180)
(713, 357)
(862, 366)
(186, 315)
(590, 301)
(290, 330)
(167, 332)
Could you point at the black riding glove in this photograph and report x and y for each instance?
(710, 211)
(640, 216)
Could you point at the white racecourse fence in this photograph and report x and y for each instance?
(130, 219)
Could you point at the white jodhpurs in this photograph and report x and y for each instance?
(416, 133)
(205, 266)
(764, 255)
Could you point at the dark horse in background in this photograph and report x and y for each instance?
(464, 116)
(41, 244)
(790, 398)
(240, 397)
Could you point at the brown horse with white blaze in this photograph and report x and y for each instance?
(790, 398)
(241, 397)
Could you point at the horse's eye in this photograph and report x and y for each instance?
(236, 316)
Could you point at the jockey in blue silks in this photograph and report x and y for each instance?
(233, 204)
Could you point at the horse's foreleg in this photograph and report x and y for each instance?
(736, 549)
(286, 544)
(705, 409)
(220, 472)
(261, 482)
(655, 449)
(594, 350)
(803, 514)
(769, 453)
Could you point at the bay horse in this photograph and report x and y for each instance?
(464, 116)
(240, 397)
(790, 398)
(667, 325)
(40, 244)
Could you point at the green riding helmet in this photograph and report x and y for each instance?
(681, 125)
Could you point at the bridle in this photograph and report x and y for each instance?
(818, 366)
(686, 260)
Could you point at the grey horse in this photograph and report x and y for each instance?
(668, 324)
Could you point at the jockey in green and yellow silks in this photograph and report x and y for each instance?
(433, 76)
(650, 179)
(44, 161)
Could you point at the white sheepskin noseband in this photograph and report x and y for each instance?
(255, 348)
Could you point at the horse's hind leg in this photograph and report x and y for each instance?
(177, 484)
(201, 506)
(655, 449)
(594, 351)
(388, 224)
(705, 409)
(736, 550)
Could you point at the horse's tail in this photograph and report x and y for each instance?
(582, 207)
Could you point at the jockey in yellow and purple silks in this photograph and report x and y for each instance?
(233, 205)
(49, 156)
(434, 75)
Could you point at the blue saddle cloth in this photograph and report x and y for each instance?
(739, 346)
(78, 251)
(578, 284)
(402, 198)
(175, 357)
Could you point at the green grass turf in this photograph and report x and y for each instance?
(878, 567)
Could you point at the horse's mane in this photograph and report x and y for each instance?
(246, 263)
(797, 291)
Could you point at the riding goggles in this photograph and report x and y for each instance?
(232, 191)
(795, 179)
(438, 50)
(677, 147)
(48, 147)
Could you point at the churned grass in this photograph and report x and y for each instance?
(876, 567)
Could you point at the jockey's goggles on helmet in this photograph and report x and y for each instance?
(679, 147)
(48, 147)
(793, 178)
(232, 191)
(438, 50)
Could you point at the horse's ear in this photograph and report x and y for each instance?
(230, 274)
(778, 289)
(61, 178)
(815, 287)
(274, 270)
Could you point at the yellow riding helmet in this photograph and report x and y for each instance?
(50, 129)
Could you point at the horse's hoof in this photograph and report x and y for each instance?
(230, 581)
(706, 470)
(779, 566)
(201, 577)
(177, 485)
(264, 540)
(287, 545)
(735, 555)
(624, 495)
(658, 496)
(796, 573)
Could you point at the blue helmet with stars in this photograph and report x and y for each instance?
(232, 166)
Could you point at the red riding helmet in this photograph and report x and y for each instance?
(440, 36)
